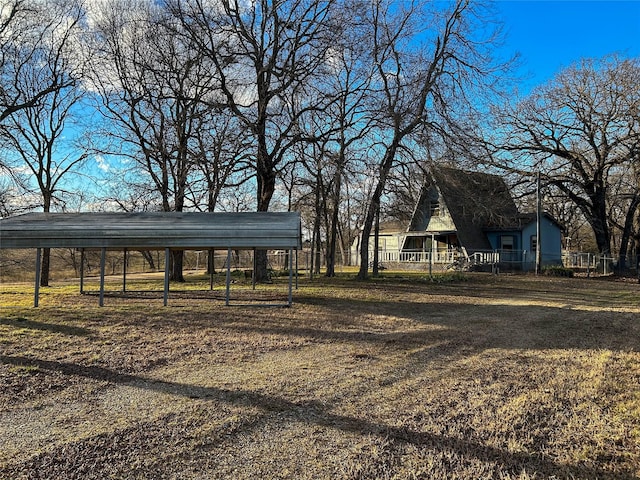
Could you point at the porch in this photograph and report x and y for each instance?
(450, 258)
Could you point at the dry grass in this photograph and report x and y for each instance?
(507, 377)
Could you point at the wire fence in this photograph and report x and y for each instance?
(592, 263)
(19, 265)
(505, 260)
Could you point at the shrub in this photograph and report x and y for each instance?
(557, 271)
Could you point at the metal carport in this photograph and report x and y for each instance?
(153, 231)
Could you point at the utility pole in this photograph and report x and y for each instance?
(538, 229)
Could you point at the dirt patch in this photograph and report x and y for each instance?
(492, 377)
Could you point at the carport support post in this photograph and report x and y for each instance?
(290, 275)
(166, 276)
(212, 267)
(253, 271)
(36, 293)
(228, 276)
(124, 272)
(81, 271)
(103, 261)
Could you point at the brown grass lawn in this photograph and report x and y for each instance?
(499, 377)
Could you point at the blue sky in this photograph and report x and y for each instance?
(551, 35)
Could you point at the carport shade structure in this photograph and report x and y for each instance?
(153, 231)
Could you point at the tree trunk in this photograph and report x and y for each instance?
(331, 247)
(376, 244)
(211, 266)
(333, 228)
(595, 212)
(175, 267)
(45, 267)
(627, 232)
(318, 262)
(47, 195)
(366, 233)
(146, 254)
(315, 237)
(266, 183)
(602, 236)
(374, 205)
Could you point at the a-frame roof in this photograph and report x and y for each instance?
(474, 200)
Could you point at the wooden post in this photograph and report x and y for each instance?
(433, 240)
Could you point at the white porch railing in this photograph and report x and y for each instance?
(520, 259)
(408, 256)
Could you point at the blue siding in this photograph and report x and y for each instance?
(524, 246)
(551, 247)
(495, 239)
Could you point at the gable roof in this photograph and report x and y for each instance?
(530, 217)
(474, 201)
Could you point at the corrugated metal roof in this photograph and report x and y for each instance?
(152, 230)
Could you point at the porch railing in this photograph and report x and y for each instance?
(520, 259)
(409, 256)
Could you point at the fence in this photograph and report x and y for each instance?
(502, 260)
(509, 259)
(596, 263)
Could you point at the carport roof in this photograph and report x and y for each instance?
(152, 230)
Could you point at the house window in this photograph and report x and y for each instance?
(506, 242)
(434, 209)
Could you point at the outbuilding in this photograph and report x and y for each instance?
(153, 231)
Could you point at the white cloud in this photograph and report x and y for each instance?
(102, 164)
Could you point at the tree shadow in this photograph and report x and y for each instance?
(320, 414)
(523, 327)
(22, 322)
(428, 331)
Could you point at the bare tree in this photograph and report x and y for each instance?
(158, 90)
(35, 137)
(624, 210)
(404, 188)
(418, 87)
(579, 130)
(221, 161)
(44, 92)
(221, 164)
(313, 161)
(349, 116)
(262, 52)
(34, 33)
